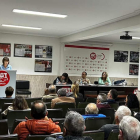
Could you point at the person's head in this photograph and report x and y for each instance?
(75, 89)
(64, 77)
(121, 112)
(101, 98)
(84, 75)
(112, 94)
(104, 76)
(74, 124)
(91, 108)
(129, 128)
(61, 92)
(5, 61)
(9, 91)
(38, 110)
(52, 89)
(19, 103)
(132, 101)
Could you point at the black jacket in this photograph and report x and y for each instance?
(69, 81)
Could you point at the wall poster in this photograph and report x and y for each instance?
(5, 49)
(134, 57)
(133, 69)
(120, 56)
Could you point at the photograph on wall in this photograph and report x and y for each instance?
(134, 57)
(43, 65)
(43, 51)
(5, 49)
(23, 50)
(120, 56)
(133, 69)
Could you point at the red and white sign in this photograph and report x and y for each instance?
(4, 78)
(93, 56)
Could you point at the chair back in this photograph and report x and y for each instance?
(95, 134)
(5, 106)
(113, 135)
(64, 106)
(37, 137)
(60, 120)
(96, 123)
(22, 84)
(4, 127)
(55, 113)
(90, 94)
(5, 100)
(91, 100)
(82, 104)
(77, 100)
(9, 137)
(114, 105)
(79, 110)
(47, 100)
(48, 105)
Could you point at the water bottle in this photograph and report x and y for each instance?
(112, 82)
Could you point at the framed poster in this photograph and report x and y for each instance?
(120, 56)
(134, 57)
(5, 49)
(133, 69)
(43, 65)
(23, 50)
(43, 51)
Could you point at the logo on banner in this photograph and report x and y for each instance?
(4, 78)
(93, 56)
(68, 89)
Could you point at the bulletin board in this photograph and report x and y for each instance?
(5, 49)
(93, 60)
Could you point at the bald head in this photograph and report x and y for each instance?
(38, 110)
(52, 89)
(91, 108)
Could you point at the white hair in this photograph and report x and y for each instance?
(91, 108)
(122, 111)
(130, 128)
(102, 97)
(52, 89)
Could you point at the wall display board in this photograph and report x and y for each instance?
(5, 49)
(43, 65)
(133, 69)
(134, 57)
(120, 56)
(93, 60)
(43, 51)
(23, 50)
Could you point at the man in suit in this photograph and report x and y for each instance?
(62, 98)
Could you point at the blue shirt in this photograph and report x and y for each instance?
(9, 67)
(93, 116)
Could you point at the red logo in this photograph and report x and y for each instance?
(4, 78)
(93, 56)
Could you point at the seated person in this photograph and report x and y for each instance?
(91, 111)
(132, 101)
(84, 79)
(62, 98)
(40, 124)
(104, 80)
(74, 92)
(51, 93)
(19, 103)
(74, 126)
(111, 96)
(9, 92)
(119, 114)
(101, 101)
(129, 128)
(64, 80)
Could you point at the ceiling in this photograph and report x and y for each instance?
(82, 14)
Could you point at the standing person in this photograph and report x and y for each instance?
(104, 80)
(64, 80)
(5, 65)
(84, 79)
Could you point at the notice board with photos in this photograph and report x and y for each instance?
(5, 49)
(93, 60)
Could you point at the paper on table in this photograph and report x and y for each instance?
(39, 67)
(1, 51)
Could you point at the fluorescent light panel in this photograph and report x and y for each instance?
(39, 13)
(24, 27)
(135, 37)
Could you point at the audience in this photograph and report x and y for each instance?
(101, 101)
(74, 126)
(91, 111)
(19, 103)
(9, 92)
(129, 128)
(119, 114)
(111, 96)
(51, 93)
(40, 124)
(132, 101)
(62, 98)
(84, 79)
(64, 80)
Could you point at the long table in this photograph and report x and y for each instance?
(101, 88)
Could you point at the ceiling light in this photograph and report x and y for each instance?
(39, 13)
(24, 27)
(136, 37)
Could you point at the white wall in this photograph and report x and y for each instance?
(26, 65)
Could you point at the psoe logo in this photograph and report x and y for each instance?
(4, 78)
